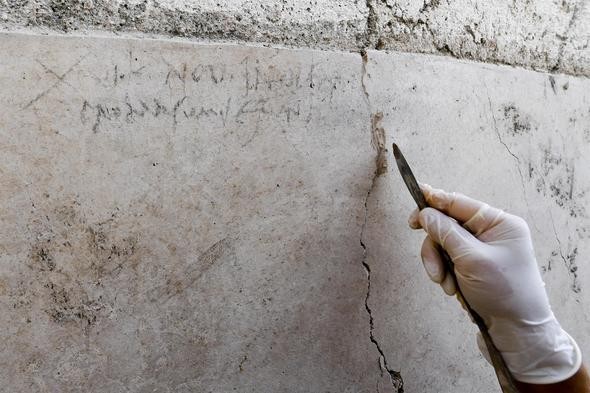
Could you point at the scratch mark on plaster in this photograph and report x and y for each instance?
(552, 83)
(55, 74)
(571, 191)
(60, 79)
(179, 281)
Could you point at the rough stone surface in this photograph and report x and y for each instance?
(543, 35)
(324, 23)
(187, 217)
(552, 35)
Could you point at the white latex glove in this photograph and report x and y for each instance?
(498, 275)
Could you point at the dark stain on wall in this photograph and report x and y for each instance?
(555, 177)
(518, 122)
(73, 263)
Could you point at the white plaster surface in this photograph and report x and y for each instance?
(180, 217)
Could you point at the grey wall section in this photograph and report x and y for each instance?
(186, 217)
(549, 35)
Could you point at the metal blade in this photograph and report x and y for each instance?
(409, 178)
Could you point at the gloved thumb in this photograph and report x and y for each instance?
(447, 233)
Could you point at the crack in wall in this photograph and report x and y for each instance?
(499, 136)
(378, 143)
(498, 132)
(569, 265)
(522, 182)
(395, 376)
(365, 59)
(516, 158)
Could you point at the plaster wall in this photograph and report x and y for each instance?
(213, 217)
(189, 217)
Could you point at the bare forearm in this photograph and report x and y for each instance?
(578, 383)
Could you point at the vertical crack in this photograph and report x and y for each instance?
(395, 376)
(520, 174)
(378, 143)
(377, 131)
(514, 156)
(569, 261)
(365, 59)
(500, 138)
(522, 183)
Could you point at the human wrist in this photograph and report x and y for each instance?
(536, 353)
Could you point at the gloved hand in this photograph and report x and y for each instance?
(498, 275)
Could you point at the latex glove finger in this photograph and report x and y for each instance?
(448, 285)
(475, 215)
(481, 344)
(413, 221)
(447, 233)
(431, 259)
(435, 267)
